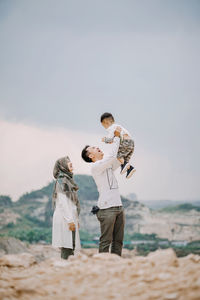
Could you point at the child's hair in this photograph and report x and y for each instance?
(107, 115)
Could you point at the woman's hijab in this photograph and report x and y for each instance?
(65, 182)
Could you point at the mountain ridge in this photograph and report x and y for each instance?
(32, 213)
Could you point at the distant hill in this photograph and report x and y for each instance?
(182, 207)
(87, 190)
(159, 204)
(30, 218)
(5, 201)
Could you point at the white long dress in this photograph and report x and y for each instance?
(65, 213)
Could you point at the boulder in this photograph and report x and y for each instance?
(21, 260)
(10, 245)
(107, 256)
(102, 276)
(163, 257)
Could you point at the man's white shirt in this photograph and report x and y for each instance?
(103, 174)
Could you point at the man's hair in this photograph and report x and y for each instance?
(107, 115)
(85, 154)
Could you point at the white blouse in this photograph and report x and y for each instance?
(65, 213)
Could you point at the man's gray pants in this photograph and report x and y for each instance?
(112, 221)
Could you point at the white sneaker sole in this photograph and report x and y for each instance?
(131, 173)
(125, 169)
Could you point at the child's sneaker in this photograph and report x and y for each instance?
(130, 172)
(124, 167)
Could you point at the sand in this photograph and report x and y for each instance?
(90, 276)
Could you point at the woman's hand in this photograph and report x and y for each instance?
(72, 226)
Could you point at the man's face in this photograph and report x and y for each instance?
(95, 153)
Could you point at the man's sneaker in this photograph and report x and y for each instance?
(130, 172)
(124, 167)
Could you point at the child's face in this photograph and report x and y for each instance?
(107, 123)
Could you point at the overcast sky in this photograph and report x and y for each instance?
(64, 63)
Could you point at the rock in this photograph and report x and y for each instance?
(2, 252)
(90, 251)
(61, 263)
(81, 256)
(107, 256)
(164, 276)
(8, 217)
(43, 252)
(101, 276)
(141, 259)
(193, 257)
(163, 257)
(21, 260)
(10, 245)
(128, 253)
(171, 296)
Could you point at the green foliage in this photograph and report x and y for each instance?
(46, 191)
(87, 190)
(194, 244)
(182, 207)
(193, 247)
(87, 245)
(85, 236)
(33, 235)
(35, 221)
(188, 206)
(125, 202)
(9, 225)
(87, 187)
(48, 213)
(139, 236)
(5, 201)
(24, 223)
(146, 249)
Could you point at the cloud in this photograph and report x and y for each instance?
(28, 154)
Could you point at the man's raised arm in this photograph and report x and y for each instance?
(108, 161)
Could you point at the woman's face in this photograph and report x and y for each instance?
(70, 167)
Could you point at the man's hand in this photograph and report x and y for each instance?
(117, 131)
(103, 139)
(72, 226)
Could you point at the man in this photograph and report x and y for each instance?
(111, 212)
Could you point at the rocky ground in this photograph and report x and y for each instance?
(39, 273)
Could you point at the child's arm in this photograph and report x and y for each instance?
(107, 140)
(107, 162)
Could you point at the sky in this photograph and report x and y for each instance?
(64, 63)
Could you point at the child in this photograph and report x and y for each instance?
(126, 147)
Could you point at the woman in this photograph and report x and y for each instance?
(65, 232)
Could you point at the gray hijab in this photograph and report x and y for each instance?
(64, 182)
